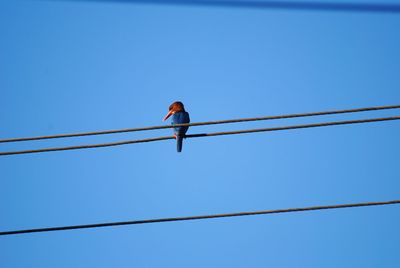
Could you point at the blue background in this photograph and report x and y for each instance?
(70, 66)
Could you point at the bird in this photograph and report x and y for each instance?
(179, 116)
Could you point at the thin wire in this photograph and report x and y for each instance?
(286, 5)
(202, 217)
(203, 135)
(202, 123)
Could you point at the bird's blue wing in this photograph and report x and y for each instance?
(180, 118)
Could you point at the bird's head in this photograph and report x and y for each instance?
(174, 108)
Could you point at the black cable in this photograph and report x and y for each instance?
(108, 224)
(324, 124)
(365, 109)
(284, 5)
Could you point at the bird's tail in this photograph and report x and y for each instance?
(179, 140)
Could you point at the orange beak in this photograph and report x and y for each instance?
(168, 115)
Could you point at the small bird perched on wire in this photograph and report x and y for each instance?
(179, 116)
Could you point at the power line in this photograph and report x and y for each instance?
(88, 146)
(202, 217)
(275, 117)
(285, 5)
(324, 124)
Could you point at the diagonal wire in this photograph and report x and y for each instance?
(274, 117)
(284, 5)
(324, 124)
(202, 217)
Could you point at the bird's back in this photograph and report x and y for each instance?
(180, 118)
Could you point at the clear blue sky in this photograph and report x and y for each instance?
(80, 66)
